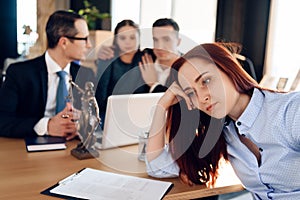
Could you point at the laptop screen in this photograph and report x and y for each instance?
(126, 117)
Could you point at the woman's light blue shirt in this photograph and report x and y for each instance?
(272, 122)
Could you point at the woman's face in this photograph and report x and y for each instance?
(128, 39)
(209, 89)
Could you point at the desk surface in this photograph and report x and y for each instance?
(24, 175)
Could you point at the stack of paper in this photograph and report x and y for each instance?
(96, 184)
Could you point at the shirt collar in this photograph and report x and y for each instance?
(159, 69)
(253, 109)
(53, 67)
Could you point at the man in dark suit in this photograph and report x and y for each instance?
(166, 39)
(28, 95)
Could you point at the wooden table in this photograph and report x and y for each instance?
(24, 175)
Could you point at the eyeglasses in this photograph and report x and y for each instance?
(78, 38)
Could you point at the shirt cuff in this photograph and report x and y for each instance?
(154, 86)
(163, 166)
(41, 127)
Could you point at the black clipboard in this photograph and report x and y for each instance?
(48, 191)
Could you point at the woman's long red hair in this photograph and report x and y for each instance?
(187, 129)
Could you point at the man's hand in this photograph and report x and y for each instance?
(147, 69)
(106, 52)
(64, 124)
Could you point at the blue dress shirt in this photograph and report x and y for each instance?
(272, 122)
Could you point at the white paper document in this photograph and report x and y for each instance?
(96, 184)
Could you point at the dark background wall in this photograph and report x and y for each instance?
(243, 21)
(8, 37)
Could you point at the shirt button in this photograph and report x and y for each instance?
(239, 123)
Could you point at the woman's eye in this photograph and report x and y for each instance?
(206, 81)
(191, 94)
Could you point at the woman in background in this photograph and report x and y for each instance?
(226, 114)
(121, 74)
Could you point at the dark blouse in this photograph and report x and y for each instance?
(117, 77)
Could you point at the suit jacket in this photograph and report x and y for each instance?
(23, 95)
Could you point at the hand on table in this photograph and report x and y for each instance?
(64, 123)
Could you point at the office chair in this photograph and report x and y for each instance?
(1, 80)
(250, 66)
(246, 63)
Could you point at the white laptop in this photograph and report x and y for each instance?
(126, 117)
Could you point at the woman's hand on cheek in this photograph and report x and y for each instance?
(173, 95)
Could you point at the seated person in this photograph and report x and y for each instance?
(217, 110)
(120, 74)
(28, 105)
(165, 34)
(156, 62)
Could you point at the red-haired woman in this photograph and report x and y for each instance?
(226, 114)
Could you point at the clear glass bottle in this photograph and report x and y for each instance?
(143, 138)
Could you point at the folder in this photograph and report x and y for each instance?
(45, 143)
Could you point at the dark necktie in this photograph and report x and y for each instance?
(250, 145)
(62, 92)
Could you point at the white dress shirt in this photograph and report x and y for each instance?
(162, 75)
(52, 67)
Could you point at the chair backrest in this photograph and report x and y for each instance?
(1, 79)
(247, 65)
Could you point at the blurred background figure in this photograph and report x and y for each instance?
(165, 34)
(118, 71)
